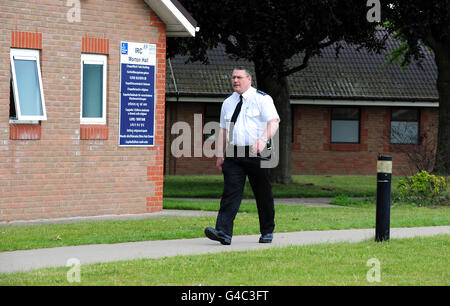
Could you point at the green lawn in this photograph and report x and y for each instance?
(287, 218)
(418, 261)
(303, 186)
(414, 261)
(211, 186)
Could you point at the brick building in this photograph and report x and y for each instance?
(60, 103)
(344, 111)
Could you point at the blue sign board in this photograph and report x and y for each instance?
(137, 94)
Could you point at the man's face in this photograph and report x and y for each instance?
(241, 82)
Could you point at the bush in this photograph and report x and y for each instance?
(422, 189)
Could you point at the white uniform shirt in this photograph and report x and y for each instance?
(257, 110)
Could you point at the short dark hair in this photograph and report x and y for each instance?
(247, 71)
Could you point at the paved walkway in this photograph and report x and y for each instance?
(87, 254)
(166, 213)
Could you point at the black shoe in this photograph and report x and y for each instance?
(217, 236)
(266, 238)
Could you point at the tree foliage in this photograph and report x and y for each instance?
(417, 22)
(274, 31)
(421, 23)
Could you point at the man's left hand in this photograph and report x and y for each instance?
(258, 146)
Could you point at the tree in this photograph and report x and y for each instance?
(418, 22)
(268, 33)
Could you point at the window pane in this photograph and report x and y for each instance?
(12, 105)
(92, 91)
(404, 132)
(405, 115)
(345, 131)
(28, 88)
(345, 113)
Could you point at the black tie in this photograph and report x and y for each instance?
(237, 110)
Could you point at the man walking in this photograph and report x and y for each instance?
(248, 120)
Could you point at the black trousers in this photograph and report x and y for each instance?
(235, 170)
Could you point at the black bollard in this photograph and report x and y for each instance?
(383, 218)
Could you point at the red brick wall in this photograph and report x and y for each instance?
(312, 151)
(66, 169)
(184, 112)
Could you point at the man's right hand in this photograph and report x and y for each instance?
(219, 163)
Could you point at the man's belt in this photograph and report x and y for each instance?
(245, 151)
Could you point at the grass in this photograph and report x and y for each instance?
(302, 186)
(211, 186)
(414, 261)
(418, 261)
(287, 218)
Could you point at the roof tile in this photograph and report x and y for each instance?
(353, 75)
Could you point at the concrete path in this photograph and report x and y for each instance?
(87, 254)
(165, 213)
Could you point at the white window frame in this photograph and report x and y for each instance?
(94, 59)
(31, 55)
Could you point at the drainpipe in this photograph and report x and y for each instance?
(176, 109)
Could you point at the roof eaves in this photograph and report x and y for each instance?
(179, 23)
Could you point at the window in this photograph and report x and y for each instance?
(26, 83)
(404, 126)
(345, 125)
(93, 89)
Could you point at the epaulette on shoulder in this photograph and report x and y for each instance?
(261, 92)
